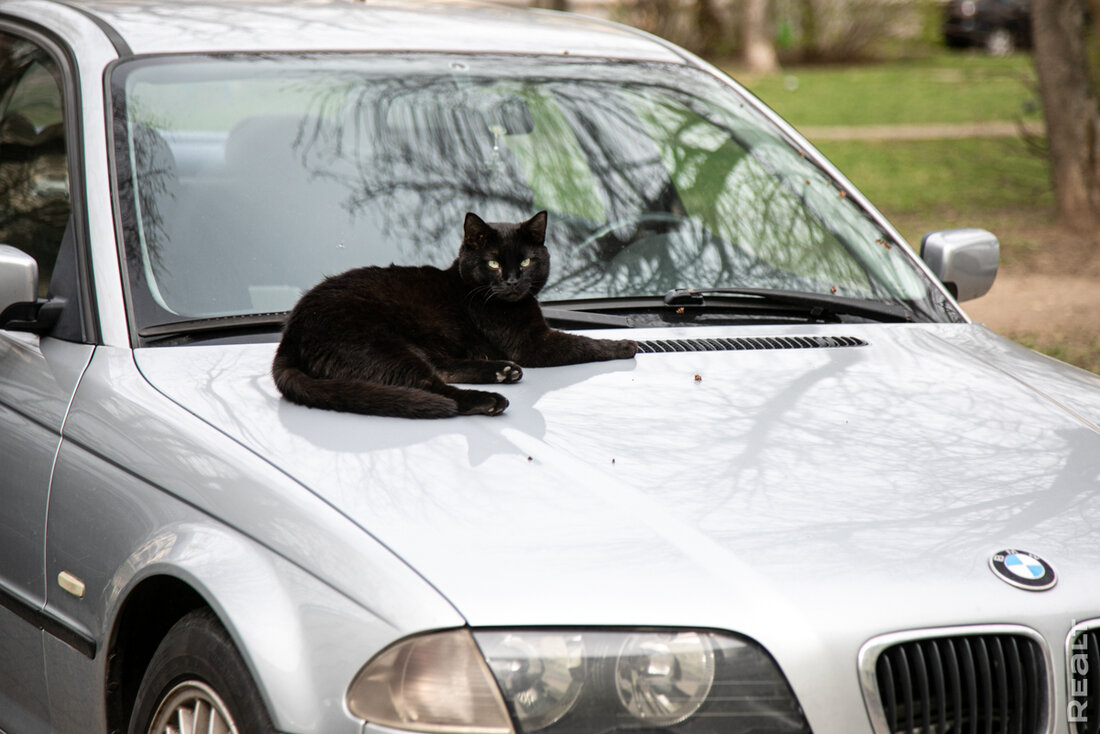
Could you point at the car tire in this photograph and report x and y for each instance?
(197, 681)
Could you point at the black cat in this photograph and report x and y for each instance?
(388, 340)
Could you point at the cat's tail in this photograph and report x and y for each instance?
(356, 396)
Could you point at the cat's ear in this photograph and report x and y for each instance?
(536, 227)
(475, 232)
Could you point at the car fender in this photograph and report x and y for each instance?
(302, 640)
(142, 488)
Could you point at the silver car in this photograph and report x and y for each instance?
(819, 499)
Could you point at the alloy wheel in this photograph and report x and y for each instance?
(192, 707)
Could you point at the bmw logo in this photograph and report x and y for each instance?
(1023, 570)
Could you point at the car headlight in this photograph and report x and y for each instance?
(540, 674)
(576, 682)
(433, 683)
(663, 678)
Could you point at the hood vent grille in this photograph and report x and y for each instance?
(748, 343)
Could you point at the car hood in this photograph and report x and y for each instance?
(859, 488)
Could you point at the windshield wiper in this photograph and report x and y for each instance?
(685, 305)
(580, 317)
(817, 305)
(586, 313)
(214, 326)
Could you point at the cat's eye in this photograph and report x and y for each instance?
(494, 265)
(525, 263)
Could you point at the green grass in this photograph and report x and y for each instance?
(954, 87)
(999, 184)
(992, 183)
(1077, 349)
(936, 176)
(923, 185)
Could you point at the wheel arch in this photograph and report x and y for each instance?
(144, 618)
(301, 640)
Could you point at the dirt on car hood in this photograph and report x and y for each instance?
(772, 492)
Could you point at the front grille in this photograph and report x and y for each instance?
(1083, 659)
(991, 683)
(724, 344)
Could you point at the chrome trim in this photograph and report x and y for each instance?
(1074, 631)
(870, 651)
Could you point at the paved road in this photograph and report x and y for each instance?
(923, 132)
(1037, 303)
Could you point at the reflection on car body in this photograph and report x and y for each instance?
(819, 499)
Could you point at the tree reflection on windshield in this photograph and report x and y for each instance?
(276, 171)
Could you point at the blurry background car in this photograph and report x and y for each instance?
(1000, 26)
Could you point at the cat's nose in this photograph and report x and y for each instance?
(511, 290)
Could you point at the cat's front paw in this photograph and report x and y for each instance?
(624, 348)
(509, 372)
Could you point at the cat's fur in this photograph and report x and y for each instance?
(389, 340)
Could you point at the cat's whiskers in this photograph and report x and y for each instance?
(486, 291)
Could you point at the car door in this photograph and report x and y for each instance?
(38, 371)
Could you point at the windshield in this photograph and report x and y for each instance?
(244, 180)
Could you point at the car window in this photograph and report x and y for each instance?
(245, 180)
(34, 180)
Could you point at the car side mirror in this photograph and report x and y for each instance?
(18, 278)
(20, 307)
(965, 260)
